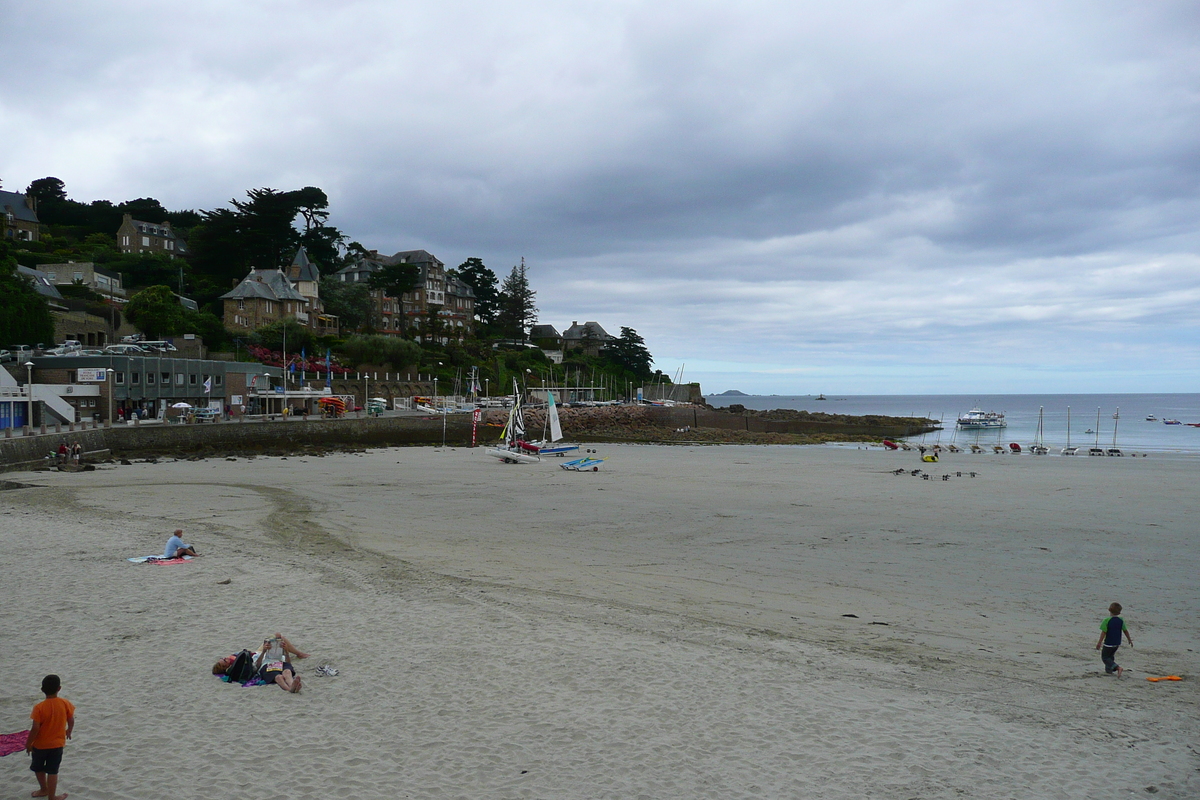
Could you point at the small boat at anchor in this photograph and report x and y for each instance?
(978, 419)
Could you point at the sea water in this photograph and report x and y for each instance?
(1133, 432)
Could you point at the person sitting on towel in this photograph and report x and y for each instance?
(177, 548)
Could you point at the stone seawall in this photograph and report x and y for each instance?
(124, 440)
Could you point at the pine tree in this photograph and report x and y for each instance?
(517, 309)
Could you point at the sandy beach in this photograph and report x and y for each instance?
(709, 622)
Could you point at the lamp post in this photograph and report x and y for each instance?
(109, 374)
(29, 394)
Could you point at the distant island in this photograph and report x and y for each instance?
(732, 393)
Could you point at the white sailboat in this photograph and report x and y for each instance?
(1038, 448)
(1096, 449)
(1069, 450)
(547, 446)
(1114, 450)
(514, 450)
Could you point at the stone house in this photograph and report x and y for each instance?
(18, 217)
(589, 336)
(137, 236)
(267, 295)
(263, 296)
(453, 298)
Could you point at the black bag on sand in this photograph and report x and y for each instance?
(242, 668)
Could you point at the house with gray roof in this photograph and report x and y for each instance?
(589, 336)
(138, 236)
(262, 297)
(18, 217)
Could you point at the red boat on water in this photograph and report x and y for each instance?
(890, 445)
(1016, 448)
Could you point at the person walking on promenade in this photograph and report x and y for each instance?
(1110, 639)
(53, 721)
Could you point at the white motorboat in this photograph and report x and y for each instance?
(978, 419)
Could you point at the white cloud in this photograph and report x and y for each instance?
(869, 191)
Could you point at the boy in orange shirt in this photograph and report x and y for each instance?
(53, 720)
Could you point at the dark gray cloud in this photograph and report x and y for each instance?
(780, 190)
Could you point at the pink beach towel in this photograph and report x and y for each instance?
(159, 560)
(12, 742)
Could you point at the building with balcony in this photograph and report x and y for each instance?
(101, 281)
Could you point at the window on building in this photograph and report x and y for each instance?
(218, 380)
(145, 241)
(192, 379)
(78, 276)
(119, 378)
(149, 378)
(241, 305)
(166, 379)
(135, 378)
(179, 379)
(125, 240)
(52, 276)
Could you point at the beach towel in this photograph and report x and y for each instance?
(255, 681)
(12, 742)
(159, 560)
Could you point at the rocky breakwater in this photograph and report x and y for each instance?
(704, 424)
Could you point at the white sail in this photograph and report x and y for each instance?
(518, 416)
(552, 413)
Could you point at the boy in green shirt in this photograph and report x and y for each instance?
(1110, 639)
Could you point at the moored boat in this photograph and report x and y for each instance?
(977, 418)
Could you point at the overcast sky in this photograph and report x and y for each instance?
(787, 197)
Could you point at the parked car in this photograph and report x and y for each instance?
(157, 347)
(21, 353)
(125, 349)
(6, 356)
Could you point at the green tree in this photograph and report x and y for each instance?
(24, 314)
(483, 282)
(275, 335)
(157, 313)
(350, 302)
(395, 279)
(381, 350)
(517, 310)
(260, 232)
(628, 351)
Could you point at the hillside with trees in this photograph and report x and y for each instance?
(265, 229)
